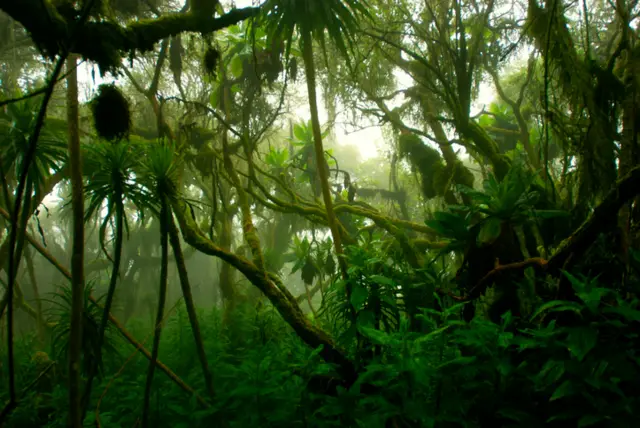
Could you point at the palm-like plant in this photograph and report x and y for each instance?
(162, 175)
(312, 19)
(16, 125)
(160, 178)
(110, 169)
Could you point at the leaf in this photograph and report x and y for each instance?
(628, 313)
(378, 337)
(437, 227)
(300, 132)
(564, 390)
(236, 66)
(490, 230)
(432, 335)
(581, 340)
(308, 272)
(359, 295)
(578, 285)
(457, 361)
(546, 214)
(588, 420)
(546, 307)
(381, 280)
(551, 372)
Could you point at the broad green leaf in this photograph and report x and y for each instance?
(564, 390)
(490, 230)
(581, 340)
(588, 420)
(551, 372)
(300, 132)
(236, 66)
(359, 294)
(381, 280)
(438, 227)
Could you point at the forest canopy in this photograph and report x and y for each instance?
(305, 213)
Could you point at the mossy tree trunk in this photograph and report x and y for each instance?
(115, 273)
(307, 55)
(188, 299)
(162, 298)
(77, 257)
(36, 297)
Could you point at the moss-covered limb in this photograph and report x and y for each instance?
(487, 146)
(395, 120)
(106, 42)
(297, 205)
(424, 244)
(123, 331)
(294, 196)
(249, 231)
(248, 228)
(603, 216)
(578, 80)
(375, 216)
(407, 248)
(289, 311)
(284, 207)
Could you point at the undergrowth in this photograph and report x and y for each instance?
(452, 375)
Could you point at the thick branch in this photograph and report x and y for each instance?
(603, 216)
(291, 313)
(107, 42)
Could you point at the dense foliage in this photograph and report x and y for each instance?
(233, 259)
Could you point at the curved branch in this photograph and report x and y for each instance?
(289, 311)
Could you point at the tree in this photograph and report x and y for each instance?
(310, 20)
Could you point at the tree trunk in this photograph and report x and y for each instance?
(162, 297)
(77, 258)
(115, 273)
(36, 296)
(307, 55)
(188, 299)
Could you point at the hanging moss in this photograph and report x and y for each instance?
(425, 159)
(111, 114)
(175, 58)
(210, 60)
(417, 152)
